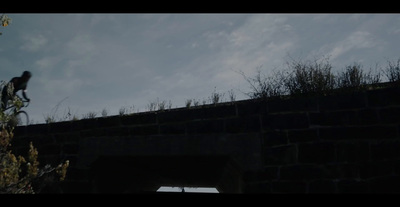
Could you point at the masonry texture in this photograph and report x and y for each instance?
(342, 143)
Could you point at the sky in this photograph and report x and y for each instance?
(85, 63)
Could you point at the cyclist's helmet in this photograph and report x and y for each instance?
(27, 74)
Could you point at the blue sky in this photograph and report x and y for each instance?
(91, 62)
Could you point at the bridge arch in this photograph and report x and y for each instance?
(138, 174)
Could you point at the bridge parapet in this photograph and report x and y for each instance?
(292, 144)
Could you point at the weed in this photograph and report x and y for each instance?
(216, 97)
(89, 115)
(188, 102)
(196, 102)
(104, 112)
(158, 105)
(232, 95)
(152, 106)
(52, 116)
(126, 110)
(163, 105)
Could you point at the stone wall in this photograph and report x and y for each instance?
(348, 142)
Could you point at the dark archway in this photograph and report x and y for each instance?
(132, 174)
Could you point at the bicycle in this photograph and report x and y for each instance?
(18, 117)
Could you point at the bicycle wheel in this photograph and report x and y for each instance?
(22, 118)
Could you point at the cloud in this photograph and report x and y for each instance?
(354, 46)
(211, 61)
(47, 63)
(80, 45)
(33, 43)
(114, 60)
(262, 40)
(55, 86)
(356, 40)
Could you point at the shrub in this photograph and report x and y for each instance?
(309, 77)
(316, 77)
(355, 78)
(264, 86)
(17, 174)
(392, 71)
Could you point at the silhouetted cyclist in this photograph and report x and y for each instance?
(19, 83)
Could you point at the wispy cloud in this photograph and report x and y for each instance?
(356, 40)
(33, 43)
(48, 62)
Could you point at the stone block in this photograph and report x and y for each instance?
(274, 138)
(259, 187)
(352, 186)
(175, 128)
(144, 130)
(280, 155)
(115, 131)
(289, 187)
(384, 97)
(92, 132)
(60, 127)
(205, 126)
(317, 152)
(344, 117)
(49, 149)
(70, 148)
(341, 171)
(358, 132)
(77, 187)
(174, 116)
(139, 119)
(385, 149)
(367, 117)
(110, 121)
(301, 172)
(214, 112)
(251, 107)
(75, 174)
(84, 124)
(20, 131)
(389, 115)
(335, 118)
(293, 104)
(385, 184)
(268, 173)
(67, 137)
(342, 101)
(356, 151)
(302, 135)
(285, 121)
(322, 186)
(41, 129)
(243, 124)
(377, 169)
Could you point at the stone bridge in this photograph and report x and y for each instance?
(342, 143)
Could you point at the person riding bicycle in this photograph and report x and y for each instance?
(19, 83)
